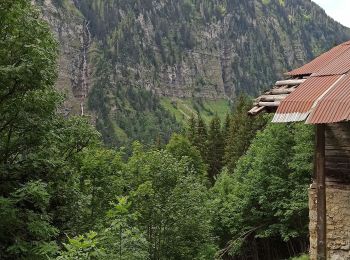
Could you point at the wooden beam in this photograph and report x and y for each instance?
(270, 104)
(278, 91)
(255, 110)
(321, 193)
(289, 82)
(272, 98)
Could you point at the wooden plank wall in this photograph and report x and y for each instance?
(338, 153)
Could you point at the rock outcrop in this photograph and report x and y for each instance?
(72, 32)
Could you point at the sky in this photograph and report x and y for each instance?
(337, 9)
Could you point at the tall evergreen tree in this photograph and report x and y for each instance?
(197, 134)
(191, 130)
(201, 137)
(215, 152)
(226, 128)
(242, 130)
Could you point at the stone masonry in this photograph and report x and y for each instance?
(338, 221)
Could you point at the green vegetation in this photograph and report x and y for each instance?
(240, 124)
(302, 257)
(281, 2)
(38, 146)
(184, 108)
(266, 198)
(66, 195)
(128, 113)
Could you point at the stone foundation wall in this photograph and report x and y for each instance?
(338, 222)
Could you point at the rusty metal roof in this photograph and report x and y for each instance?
(321, 61)
(297, 106)
(334, 106)
(322, 97)
(346, 43)
(271, 99)
(339, 65)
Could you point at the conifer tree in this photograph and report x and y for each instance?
(215, 148)
(226, 128)
(191, 131)
(242, 130)
(201, 137)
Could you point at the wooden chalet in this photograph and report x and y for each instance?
(319, 93)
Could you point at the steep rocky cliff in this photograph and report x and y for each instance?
(72, 32)
(187, 48)
(125, 54)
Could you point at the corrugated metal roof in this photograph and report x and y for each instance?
(346, 43)
(324, 97)
(340, 65)
(320, 62)
(297, 106)
(334, 106)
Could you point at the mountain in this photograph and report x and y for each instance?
(142, 66)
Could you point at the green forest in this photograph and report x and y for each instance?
(224, 187)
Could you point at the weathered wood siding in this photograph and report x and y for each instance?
(338, 153)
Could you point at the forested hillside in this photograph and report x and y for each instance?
(118, 54)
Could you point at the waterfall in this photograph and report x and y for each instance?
(85, 70)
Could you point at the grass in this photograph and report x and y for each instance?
(183, 109)
(302, 257)
(266, 2)
(121, 135)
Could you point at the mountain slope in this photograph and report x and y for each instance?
(132, 52)
(204, 48)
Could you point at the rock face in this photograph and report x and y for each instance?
(338, 222)
(72, 33)
(209, 49)
(192, 48)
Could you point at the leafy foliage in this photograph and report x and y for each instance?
(180, 147)
(266, 197)
(115, 240)
(64, 195)
(37, 145)
(170, 199)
